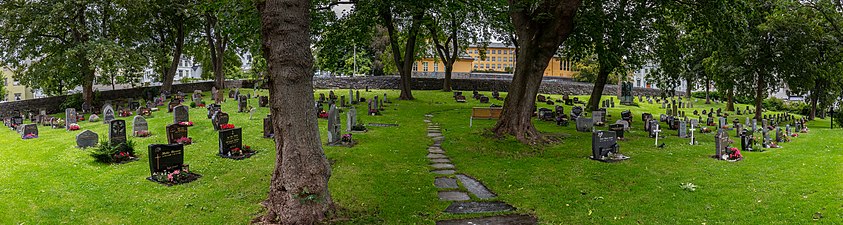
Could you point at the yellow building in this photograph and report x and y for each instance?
(14, 90)
(496, 58)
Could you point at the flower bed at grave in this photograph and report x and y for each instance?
(30, 136)
(238, 153)
(186, 123)
(794, 135)
(732, 154)
(125, 113)
(175, 177)
(118, 154)
(359, 128)
(323, 114)
(142, 133)
(185, 141)
(227, 126)
(73, 127)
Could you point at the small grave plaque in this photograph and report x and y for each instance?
(87, 139)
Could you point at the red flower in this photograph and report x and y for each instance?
(227, 126)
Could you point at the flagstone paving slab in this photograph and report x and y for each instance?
(493, 220)
(453, 196)
(446, 183)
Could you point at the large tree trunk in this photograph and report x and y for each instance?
(298, 192)
(688, 89)
(730, 100)
(538, 40)
(88, 80)
(174, 65)
(403, 63)
(446, 86)
(815, 98)
(597, 91)
(216, 44)
(707, 86)
(759, 95)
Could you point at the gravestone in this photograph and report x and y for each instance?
(576, 112)
(618, 129)
(242, 104)
(584, 124)
(117, 132)
(351, 99)
(164, 159)
(176, 132)
(180, 114)
(333, 125)
(604, 147)
(654, 125)
(139, 124)
(263, 101)
(213, 108)
(172, 105)
(107, 114)
(29, 131)
(624, 123)
(683, 129)
(351, 118)
(87, 139)
(219, 119)
(598, 118)
(230, 139)
(69, 117)
(268, 130)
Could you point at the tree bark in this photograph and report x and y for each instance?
(688, 88)
(707, 85)
(449, 52)
(298, 192)
(538, 40)
(405, 63)
(216, 44)
(815, 97)
(759, 95)
(174, 65)
(730, 100)
(597, 91)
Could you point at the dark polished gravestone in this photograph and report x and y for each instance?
(180, 114)
(164, 161)
(219, 119)
(242, 104)
(30, 131)
(213, 108)
(87, 139)
(263, 101)
(117, 132)
(268, 130)
(176, 133)
(604, 147)
(231, 144)
(618, 128)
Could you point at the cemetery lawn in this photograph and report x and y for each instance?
(385, 178)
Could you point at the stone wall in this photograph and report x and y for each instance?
(488, 83)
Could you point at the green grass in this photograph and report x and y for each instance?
(384, 179)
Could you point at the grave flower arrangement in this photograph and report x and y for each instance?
(804, 130)
(227, 126)
(323, 114)
(732, 154)
(73, 127)
(142, 133)
(30, 136)
(185, 140)
(240, 152)
(125, 113)
(186, 123)
(201, 104)
(109, 153)
(346, 138)
(175, 177)
(794, 135)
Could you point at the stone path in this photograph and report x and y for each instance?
(466, 194)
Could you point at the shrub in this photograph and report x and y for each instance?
(72, 101)
(192, 104)
(773, 104)
(107, 153)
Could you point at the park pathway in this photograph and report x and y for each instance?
(448, 182)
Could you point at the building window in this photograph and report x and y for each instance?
(436, 67)
(416, 66)
(638, 82)
(16, 82)
(17, 96)
(424, 64)
(493, 59)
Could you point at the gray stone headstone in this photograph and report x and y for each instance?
(584, 124)
(87, 139)
(624, 123)
(70, 117)
(107, 114)
(139, 124)
(180, 114)
(29, 129)
(333, 125)
(351, 119)
(683, 129)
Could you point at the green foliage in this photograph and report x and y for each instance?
(773, 104)
(72, 101)
(105, 152)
